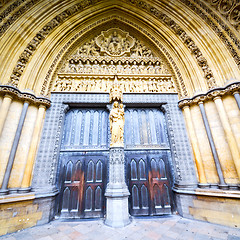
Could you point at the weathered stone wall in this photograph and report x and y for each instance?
(216, 207)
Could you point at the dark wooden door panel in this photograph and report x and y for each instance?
(159, 184)
(138, 185)
(149, 184)
(72, 189)
(83, 157)
(94, 186)
(83, 186)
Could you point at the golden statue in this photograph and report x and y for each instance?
(116, 118)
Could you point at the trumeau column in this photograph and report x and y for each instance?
(117, 192)
(229, 134)
(26, 181)
(4, 110)
(195, 147)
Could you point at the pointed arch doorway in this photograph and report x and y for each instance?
(140, 69)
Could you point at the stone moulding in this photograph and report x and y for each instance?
(185, 38)
(24, 96)
(195, 8)
(216, 92)
(39, 37)
(206, 14)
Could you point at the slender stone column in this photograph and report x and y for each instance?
(229, 134)
(237, 98)
(117, 192)
(13, 151)
(222, 184)
(196, 150)
(4, 110)
(26, 181)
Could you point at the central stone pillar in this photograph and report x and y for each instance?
(117, 192)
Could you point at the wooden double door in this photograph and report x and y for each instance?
(84, 157)
(149, 185)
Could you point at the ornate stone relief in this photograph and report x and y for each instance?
(95, 65)
(207, 14)
(116, 66)
(229, 9)
(17, 72)
(140, 84)
(41, 35)
(201, 60)
(115, 42)
(46, 89)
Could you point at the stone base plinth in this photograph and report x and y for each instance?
(117, 192)
(117, 208)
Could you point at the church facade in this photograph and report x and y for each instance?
(115, 109)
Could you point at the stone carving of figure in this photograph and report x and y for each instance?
(119, 67)
(116, 118)
(150, 68)
(127, 68)
(146, 52)
(114, 46)
(80, 67)
(134, 68)
(104, 68)
(112, 68)
(138, 51)
(145, 86)
(95, 67)
(157, 68)
(89, 49)
(72, 67)
(87, 67)
(142, 68)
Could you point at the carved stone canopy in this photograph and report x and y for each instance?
(115, 42)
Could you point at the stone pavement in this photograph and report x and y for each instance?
(155, 228)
